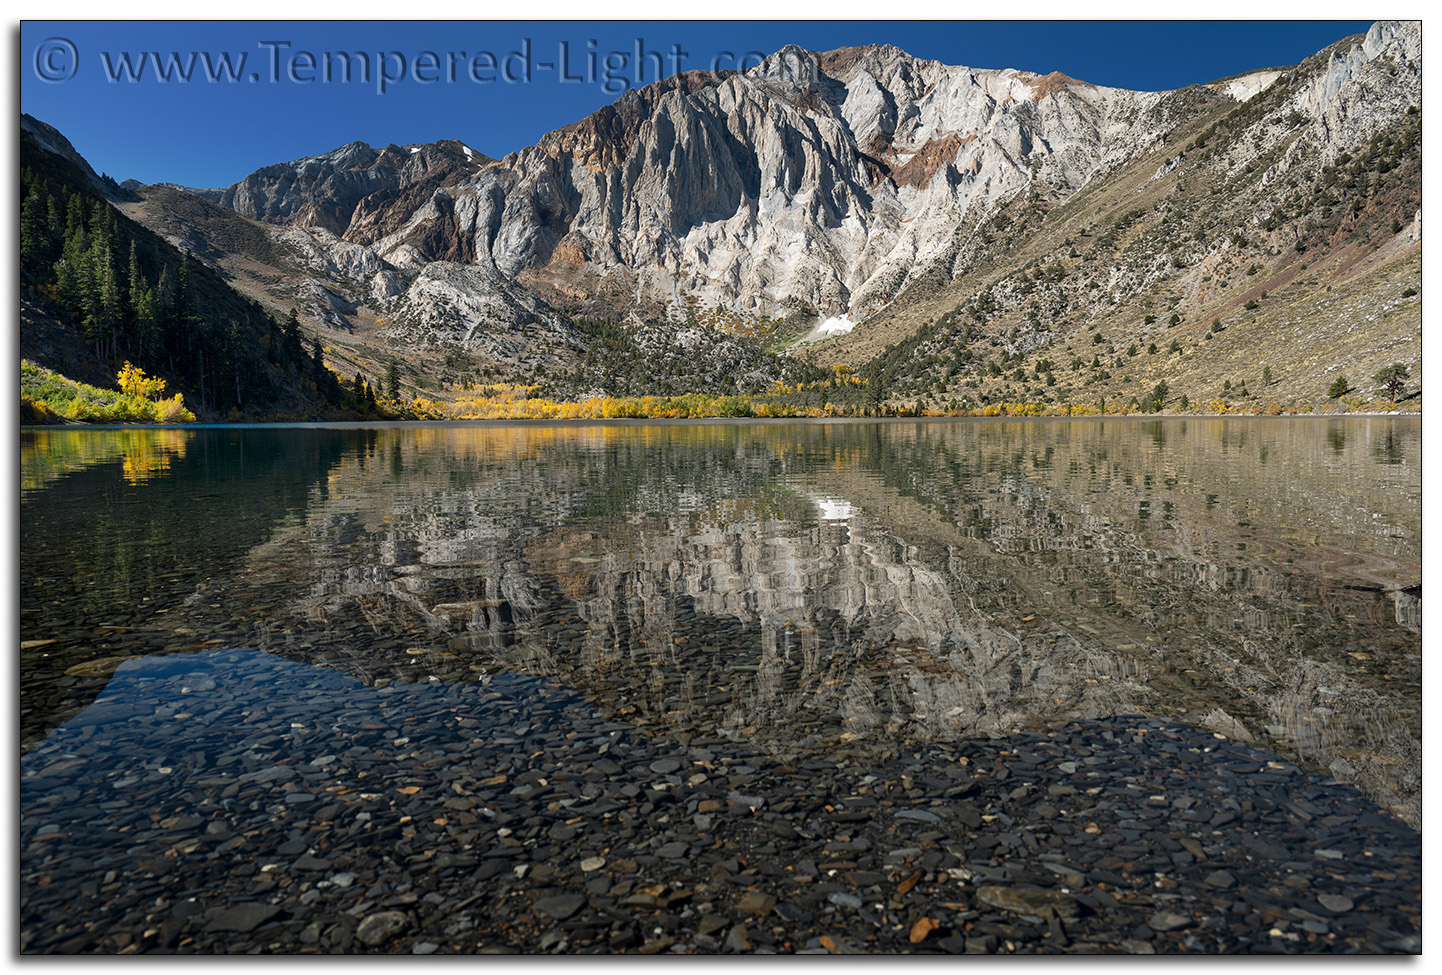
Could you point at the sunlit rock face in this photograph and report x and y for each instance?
(480, 308)
(830, 181)
(826, 178)
(341, 188)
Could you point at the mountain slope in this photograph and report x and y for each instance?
(99, 289)
(997, 234)
(820, 180)
(1283, 234)
(47, 137)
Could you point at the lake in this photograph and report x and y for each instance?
(206, 604)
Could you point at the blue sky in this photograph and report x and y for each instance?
(469, 81)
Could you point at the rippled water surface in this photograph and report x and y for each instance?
(841, 589)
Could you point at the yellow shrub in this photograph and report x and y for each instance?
(134, 382)
(173, 410)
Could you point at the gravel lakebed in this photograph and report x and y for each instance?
(235, 802)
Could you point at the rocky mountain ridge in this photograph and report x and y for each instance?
(50, 139)
(1278, 238)
(860, 182)
(819, 179)
(828, 179)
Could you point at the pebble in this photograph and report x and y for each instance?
(1168, 921)
(561, 906)
(754, 902)
(242, 918)
(376, 929)
(1021, 900)
(920, 815)
(560, 846)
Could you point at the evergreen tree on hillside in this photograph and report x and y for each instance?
(135, 298)
(1392, 379)
(144, 322)
(103, 299)
(70, 284)
(291, 350)
(37, 236)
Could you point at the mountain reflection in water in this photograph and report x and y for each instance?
(844, 588)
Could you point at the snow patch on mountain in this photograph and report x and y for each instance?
(1248, 86)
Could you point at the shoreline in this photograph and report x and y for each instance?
(698, 420)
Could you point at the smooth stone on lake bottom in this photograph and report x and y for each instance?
(380, 927)
(1020, 900)
(100, 667)
(243, 918)
(1168, 921)
(756, 902)
(561, 906)
(921, 815)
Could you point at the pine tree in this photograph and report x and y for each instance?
(55, 222)
(164, 309)
(147, 323)
(237, 360)
(37, 244)
(1392, 379)
(136, 278)
(326, 383)
(71, 283)
(178, 328)
(291, 348)
(144, 331)
(111, 303)
(74, 214)
(102, 297)
(1157, 399)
